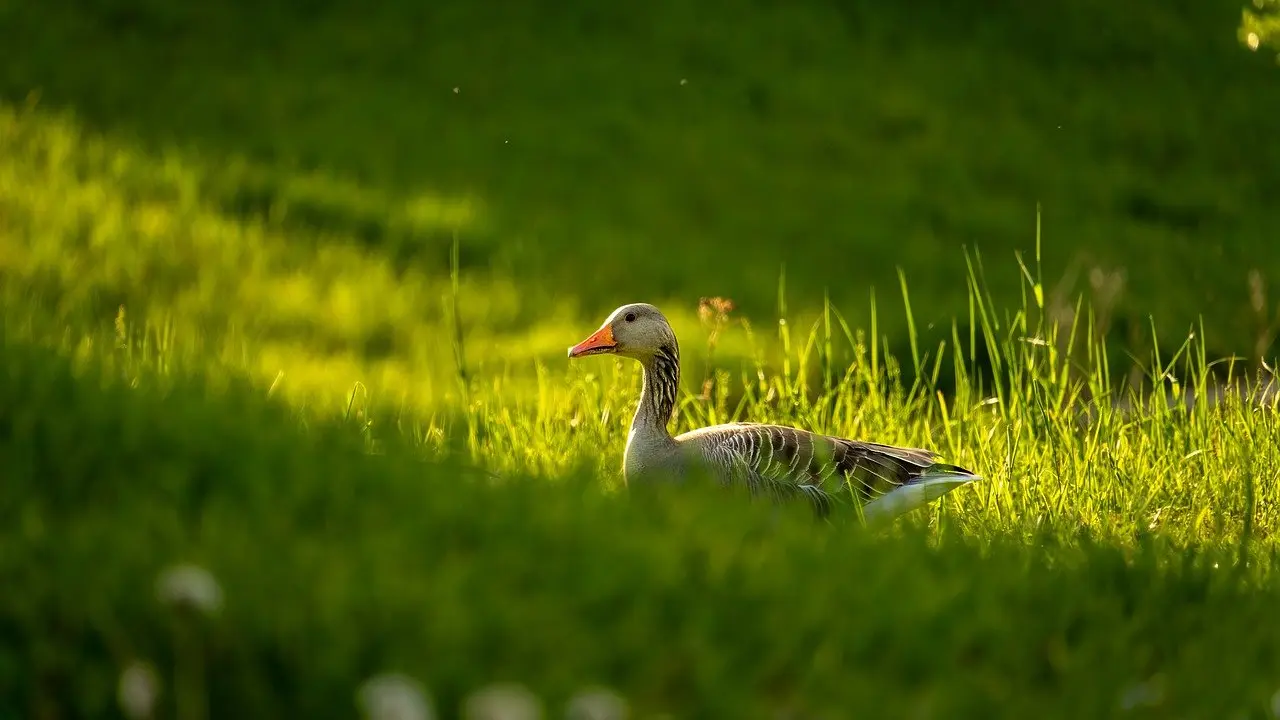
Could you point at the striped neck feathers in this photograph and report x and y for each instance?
(661, 385)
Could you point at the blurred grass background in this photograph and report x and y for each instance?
(663, 152)
(277, 277)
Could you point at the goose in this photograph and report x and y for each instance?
(885, 480)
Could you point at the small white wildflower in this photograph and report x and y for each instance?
(503, 702)
(393, 696)
(190, 586)
(598, 704)
(1254, 41)
(138, 690)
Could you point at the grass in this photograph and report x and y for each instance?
(1112, 557)
(1112, 562)
(342, 390)
(837, 138)
(1260, 26)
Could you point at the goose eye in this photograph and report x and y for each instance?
(630, 317)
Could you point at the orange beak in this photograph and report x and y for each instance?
(601, 341)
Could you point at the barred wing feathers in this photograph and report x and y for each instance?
(785, 462)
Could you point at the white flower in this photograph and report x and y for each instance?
(503, 702)
(190, 586)
(138, 690)
(393, 696)
(597, 704)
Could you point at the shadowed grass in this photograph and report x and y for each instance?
(624, 150)
(1123, 563)
(261, 393)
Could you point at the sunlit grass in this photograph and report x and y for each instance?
(148, 263)
(159, 276)
(266, 355)
(1260, 25)
(92, 228)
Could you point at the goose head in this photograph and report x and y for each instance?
(637, 331)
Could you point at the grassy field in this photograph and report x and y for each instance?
(281, 304)
(657, 153)
(1110, 564)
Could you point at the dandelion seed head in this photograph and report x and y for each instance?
(598, 704)
(138, 690)
(394, 696)
(503, 702)
(190, 586)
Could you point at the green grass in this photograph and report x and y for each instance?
(335, 494)
(323, 357)
(1260, 26)
(1097, 558)
(837, 138)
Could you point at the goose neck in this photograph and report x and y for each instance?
(658, 396)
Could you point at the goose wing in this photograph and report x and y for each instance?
(785, 461)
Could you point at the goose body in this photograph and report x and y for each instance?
(779, 460)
